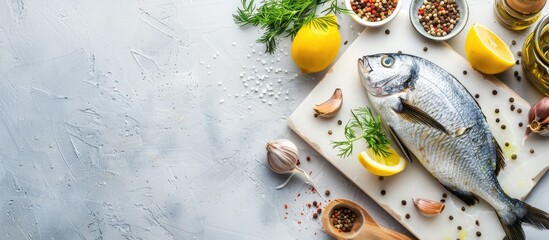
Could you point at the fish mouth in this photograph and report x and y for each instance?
(364, 69)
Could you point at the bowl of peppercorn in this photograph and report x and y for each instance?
(439, 20)
(373, 13)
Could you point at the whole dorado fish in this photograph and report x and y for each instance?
(435, 120)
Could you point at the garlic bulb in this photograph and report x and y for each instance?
(330, 107)
(538, 118)
(282, 157)
(428, 208)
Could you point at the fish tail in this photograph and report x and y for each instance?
(535, 217)
(523, 213)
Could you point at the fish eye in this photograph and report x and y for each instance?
(387, 61)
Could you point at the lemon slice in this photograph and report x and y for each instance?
(486, 51)
(382, 166)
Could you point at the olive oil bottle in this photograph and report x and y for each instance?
(535, 56)
(518, 14)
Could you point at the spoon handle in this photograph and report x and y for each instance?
(375, 232)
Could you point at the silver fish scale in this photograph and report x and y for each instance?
(465, 162)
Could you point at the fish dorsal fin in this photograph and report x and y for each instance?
(467, 197)
(500, 159)
(407, 153)
(414, 114)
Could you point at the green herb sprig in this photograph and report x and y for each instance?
(371, 130)
(284, 17)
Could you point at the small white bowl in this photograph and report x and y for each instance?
(365, 23)
(463, 15)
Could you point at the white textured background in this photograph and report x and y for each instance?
(147, 120)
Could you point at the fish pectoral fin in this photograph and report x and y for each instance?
(407, 153)
(414, 114)
(467, 197)
(500, 159)
(462, 130)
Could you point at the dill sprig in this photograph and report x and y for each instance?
(284, 17)
(371, 130)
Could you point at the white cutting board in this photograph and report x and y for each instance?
(517, 179)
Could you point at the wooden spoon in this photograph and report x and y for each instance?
(364, 227)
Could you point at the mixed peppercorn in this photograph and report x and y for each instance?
(343, 219)
(438, 18)
(373, 10)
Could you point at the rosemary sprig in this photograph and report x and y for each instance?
(284, 17)
(371, 130)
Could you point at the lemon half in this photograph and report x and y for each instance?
(380, 165)
(314, 48)
(486, 51)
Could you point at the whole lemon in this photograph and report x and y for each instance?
(315, 47)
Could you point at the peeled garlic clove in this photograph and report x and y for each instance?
(538, 118)
(330, 107)
(428, 208)
(282, 156)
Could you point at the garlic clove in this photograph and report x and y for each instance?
(428, 208)
(538, 118)
(282, 155)
(330, 107)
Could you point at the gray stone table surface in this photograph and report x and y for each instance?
(148, 120)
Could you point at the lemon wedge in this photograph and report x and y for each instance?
(314, 48)
(380, 165)
(486, 51)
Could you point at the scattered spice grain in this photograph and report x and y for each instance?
(519, 110)
(503, 126)
(514, 42)
(383, 192)
(425, 49)
(532, 150)
(387, 31)
(464, 72)
(339, 122)
(451, 217)
(407, 216)
(315, 215)
(403, 202)
(477, 96)
(496, 110)
(494, 92)
(330, 132)
(514, 156)
(520, 124)
(479, 234)
(327, 192)
(444, 195)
